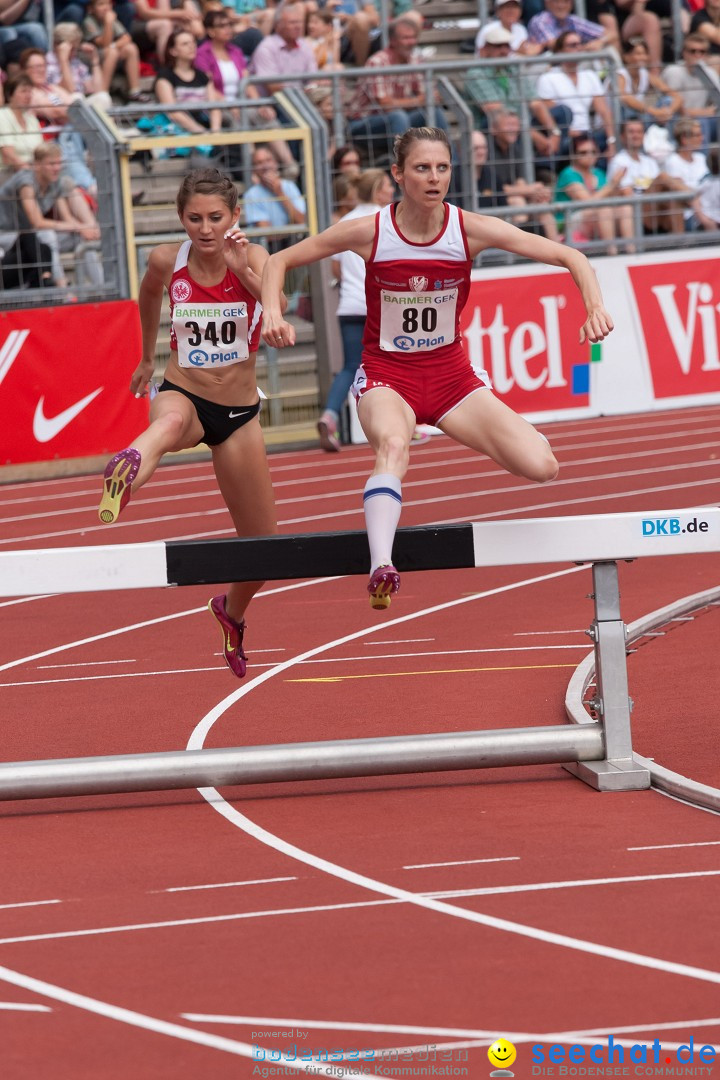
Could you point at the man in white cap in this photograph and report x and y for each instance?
(508, 14)
(498, 88)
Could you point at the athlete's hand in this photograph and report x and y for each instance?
(596, 327)
(235, 250)
(141, 377)
(276, 332)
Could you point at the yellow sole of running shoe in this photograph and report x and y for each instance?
(116, 495)
(381, 601)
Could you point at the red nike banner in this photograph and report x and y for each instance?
(64, 381)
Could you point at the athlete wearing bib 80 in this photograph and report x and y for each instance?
(414, 369)
(209, 393)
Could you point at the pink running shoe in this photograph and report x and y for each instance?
(232, 633)
(327, 429)
(120, 472)
(384, 583)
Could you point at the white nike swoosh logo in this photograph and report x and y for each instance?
(243, 412)
(46, 428)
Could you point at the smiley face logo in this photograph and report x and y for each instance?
(502, 1054)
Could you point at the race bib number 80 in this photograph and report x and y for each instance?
(417, 322)
(211, 335)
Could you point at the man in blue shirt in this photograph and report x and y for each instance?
(270, 201)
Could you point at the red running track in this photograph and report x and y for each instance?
(165, 935)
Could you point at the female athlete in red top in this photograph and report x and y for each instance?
(209, 393)
(414, 368)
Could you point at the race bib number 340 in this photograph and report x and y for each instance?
(417, 322)
(211, 335)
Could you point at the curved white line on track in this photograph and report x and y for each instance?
(156, 1025)
(241, 821)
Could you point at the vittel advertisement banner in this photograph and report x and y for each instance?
(524, 331)
(677, 305)
(64, 381)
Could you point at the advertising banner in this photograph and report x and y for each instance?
(64, 381)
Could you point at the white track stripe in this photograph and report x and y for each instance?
(29, 903)
(225, 884)
(462, 862)
(148, 622)
(19, 1006)
(662, 847)
(154, 1024)
(241, 821)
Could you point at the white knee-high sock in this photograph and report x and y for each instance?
(382, 500)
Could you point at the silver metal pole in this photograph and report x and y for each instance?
(300, 761)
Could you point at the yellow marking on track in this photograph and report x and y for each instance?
(439, 671)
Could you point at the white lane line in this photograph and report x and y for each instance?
(156, 1025)
(29, 903)
(241, 821)
(279, 1022)
(662, 847)
(84, 663)
(542, 633)
(682, 485)
(200, 920)
(148, 622)
(150, 499)
(689, 805)
(397, 641)
(540, 886)
(462, 862)
(224, 884)
(221, 667)
(20, 1006)
(25, 599)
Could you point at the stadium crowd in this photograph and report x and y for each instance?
(645, 123)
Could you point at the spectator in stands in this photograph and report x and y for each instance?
(483, 181)
(708, 200)
(688, 164)
(375, 190)
(74, 64)
(51, 102)
(358, 22)
(44, 201)
(345, 195)
(182, 82)
(686, 77)
(582, 182)
(155, 21)
(225, 63)
(642, 173)
(546, 28)
(324, 36)
(504, 169)
(102, 27)
(508, 16)
(22, 19)
(641, 19)
(492, 89)
(581, 90)
(706, 22)
(643, 92)
(346, 159)
(271, 201)
(390, 104)
(284, 52)
(20, 131)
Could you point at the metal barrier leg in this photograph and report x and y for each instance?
(619, 771)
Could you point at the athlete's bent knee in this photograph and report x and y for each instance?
(171, 424)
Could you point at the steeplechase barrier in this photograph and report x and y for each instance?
(599, 752)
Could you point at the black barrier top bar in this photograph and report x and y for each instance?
(276, 558)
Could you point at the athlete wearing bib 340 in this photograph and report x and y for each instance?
(414, 368)
(209, 393)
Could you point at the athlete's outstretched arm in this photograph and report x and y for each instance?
(484, 232)
(157, 275)
(345, 236)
